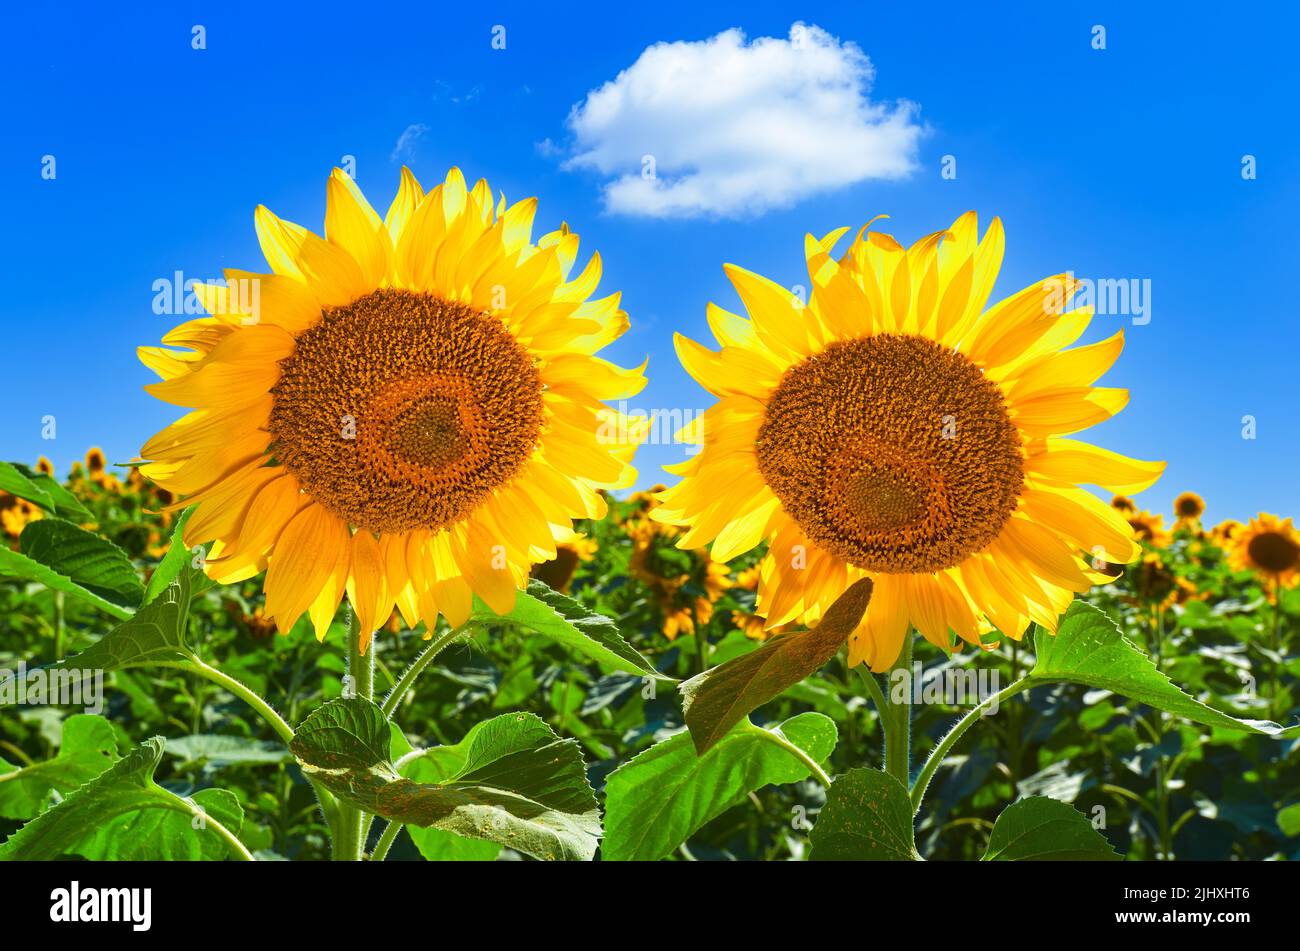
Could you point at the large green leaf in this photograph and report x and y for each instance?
(511, 780)
(659, 798)
(106, 818)
(435, 766)
(1089, 649)
(721, 697)
(565, 621)
(88, 748)
(40, 489)
(166, 834)
(17, 483)
(17, 565)
(867, 816)
(86, 559)
(157, 633)
(1042, 829)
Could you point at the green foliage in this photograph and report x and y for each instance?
(1090, 649)
(658, 799)
(511, 780)
(868, 816)
(89, 747)
(1171, 716)
(1041, 829)
(115, 816)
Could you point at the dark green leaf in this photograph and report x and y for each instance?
(1042, 829)
(57, 499)
(156, 634)
(94, 563)
(867, 816)
(721, 697)
(17, 483)
(511, 780)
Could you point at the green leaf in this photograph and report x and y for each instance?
(57, 499)
(867, 816)
(511, 780)
(659, 798)
(438, 846)
(1089, 649)
(169, 568)
(166, 834)
(88, 748)
(565, 621)
(219, 750)
(721, 697)
(1042, 829)
(19, 566)
(16, 482)
(347, 734)
(98, 817)
(94, 563)
(66, 558)
(156, 634)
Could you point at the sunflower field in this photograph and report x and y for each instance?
(1168, 786)
(385, 589)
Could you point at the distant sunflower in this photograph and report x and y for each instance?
(1268, 546)
(571, 550)
(1188, 508)
(684, 586)
(404, 410)
(16, 514)
(1223, 533)
(1149, 528)
(1122, 503)
(95, 461)
(894, 428)
(44, 466)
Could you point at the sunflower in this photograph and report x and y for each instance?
(405, 410)
(16, 514)
(571, 550)
(1223, 533)
(1188, 509)
(1122, 503)
(1268, 546)
(1148, 528)
(45, 467)
(894, 428)
(684, 586)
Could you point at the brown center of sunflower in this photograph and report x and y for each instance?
(1273, 552)
(404, 410)
(1188, 507)
(892, 453)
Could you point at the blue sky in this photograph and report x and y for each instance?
(1117, 163)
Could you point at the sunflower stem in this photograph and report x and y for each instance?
(933, 761)
(386, 841)
(412, 673)
(350, 830)
(898, 717)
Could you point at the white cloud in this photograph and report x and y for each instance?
(406, 141)
(736, 127)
